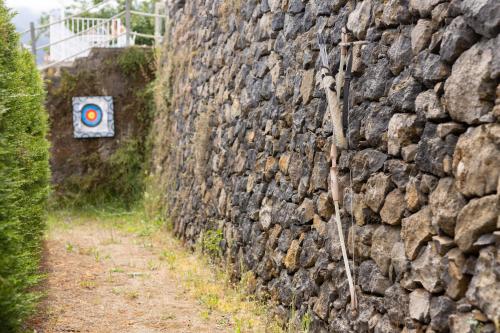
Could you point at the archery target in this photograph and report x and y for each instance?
(93, 117)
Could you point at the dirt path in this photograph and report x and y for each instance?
(104, 280)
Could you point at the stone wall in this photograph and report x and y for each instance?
(100, 169)
(242, 142)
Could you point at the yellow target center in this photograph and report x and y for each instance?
(91, 115)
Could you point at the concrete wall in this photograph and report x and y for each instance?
(89, 168)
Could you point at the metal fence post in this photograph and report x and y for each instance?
(127, 22)
(33, 38)
(158, 21)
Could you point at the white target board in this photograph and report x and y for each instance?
(93, 117)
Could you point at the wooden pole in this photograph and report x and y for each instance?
(33, 39)
(127, 22)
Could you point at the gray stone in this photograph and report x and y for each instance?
(291, 29)
(323, 303)
(360, 19)
(441, 309)
(278, 21)
(376, 80)
(476, 160)
(423, 7)
(371, 280)
(400, 172)
(376, 189)
(421, 35)
(429, 68)
(393, 208)
(320, 172)
(398, 259)
(306, 211)
(395, 12)
(403, 92)
(384, 325)
(400, 53)
(478, 217)
(396, 302)
(429, 270)
(416, 231)
(428, 106)
(457, 38)
(446, 202)
(295, 6)
(365, 163)
(469, 91)
(309, 253)
(482, 16)
(383, 240)
(403, 129)
(484, 289)
(420, 302)
(296, 168)
(434, 154)
(362, 238)
(376, 123)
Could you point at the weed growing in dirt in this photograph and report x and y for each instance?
(131, 295)
(153, 266)
(69, 247)
(117, 270)
(88, 284)
(169, 257)
(168, 316)
(211, 243)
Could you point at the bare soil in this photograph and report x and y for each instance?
(105, 280)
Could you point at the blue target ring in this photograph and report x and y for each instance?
(91, 115)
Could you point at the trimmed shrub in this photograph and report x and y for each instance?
(24, 177)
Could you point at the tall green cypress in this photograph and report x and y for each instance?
(24, 176)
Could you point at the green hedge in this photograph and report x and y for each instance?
(24, 177)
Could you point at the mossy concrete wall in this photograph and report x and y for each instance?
(101, 170)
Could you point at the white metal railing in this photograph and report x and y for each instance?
(77, 35)
(74, 36)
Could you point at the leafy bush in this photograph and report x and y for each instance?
(24, 175)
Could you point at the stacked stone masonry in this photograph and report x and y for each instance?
(249, 140)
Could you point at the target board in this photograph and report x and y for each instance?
(93, 117)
